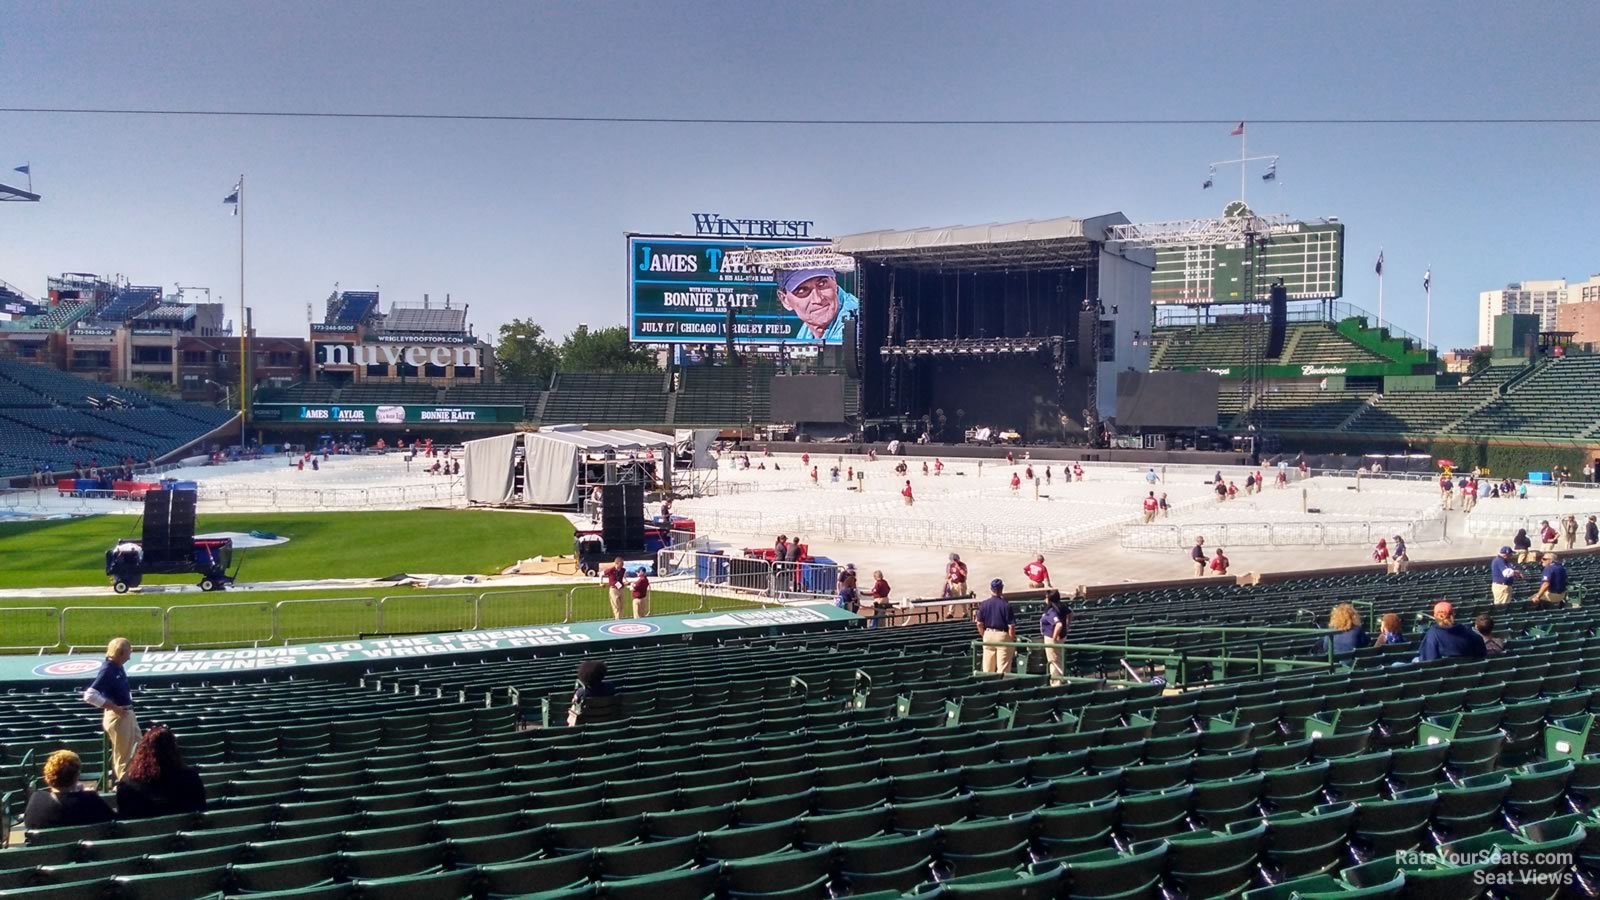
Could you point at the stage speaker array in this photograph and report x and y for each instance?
(852, 368)
(1088, 340)
(729, 326)
(1278, 320)
(168, 531)
(622, 518)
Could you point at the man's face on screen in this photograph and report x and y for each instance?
(815, 301)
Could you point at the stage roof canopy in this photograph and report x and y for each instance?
(1034, 243)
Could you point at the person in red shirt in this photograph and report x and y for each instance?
(1219, 563)
(1233, 490)
(614, 575)
(1038, 576)
(1547, 536)
(1077, 471)
(813, 474)
(879, 595)
(906, 493)
(1016, 482)
(1380, 553)
(938, 466)
(955, 577)
(1151, 507)
(805, 459)
(641, 595)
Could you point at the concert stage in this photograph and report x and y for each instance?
(1019, 326)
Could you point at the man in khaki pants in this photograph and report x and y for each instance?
(615, 575)
(997, 624)
(110, 692)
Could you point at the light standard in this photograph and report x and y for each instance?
(227, 392)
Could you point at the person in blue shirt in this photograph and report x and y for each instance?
(997, 624)
(1053, 627)
(815, 298)
(1448, 638)
(1502, 572)
(1552, 584)
(1390, 631)
(110, 692)
(1349, 636)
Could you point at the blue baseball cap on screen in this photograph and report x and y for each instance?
(788, 281)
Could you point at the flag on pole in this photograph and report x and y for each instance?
(233, 198)
(1272, 171)
(1427, 279)
(25, 169)
(1379, 267)
(1237, 130)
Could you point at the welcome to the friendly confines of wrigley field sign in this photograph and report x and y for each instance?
(713, 224)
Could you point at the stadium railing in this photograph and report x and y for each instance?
(260, 499)
(1279, 534)
(1172, 665)
(741, 576)
(38, 629)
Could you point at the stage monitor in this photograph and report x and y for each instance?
(1309, 259)
(681, 290)
(1166, 399)
(808, 398)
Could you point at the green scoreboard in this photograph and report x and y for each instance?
(1308, 257)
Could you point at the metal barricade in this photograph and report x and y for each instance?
(509, 609)
(219, 624)
(32, 628)
(143, 626)
(426, 611)
(315, 619)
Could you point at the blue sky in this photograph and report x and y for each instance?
(528, 219)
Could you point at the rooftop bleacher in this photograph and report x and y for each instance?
(129, 301)
(857, 762)
(431, 319)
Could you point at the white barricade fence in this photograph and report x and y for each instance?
(1328, 533)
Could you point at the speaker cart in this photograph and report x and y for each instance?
(168, 546)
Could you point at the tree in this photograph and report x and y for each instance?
(523, 353)
(1481, 358)
(604, 350)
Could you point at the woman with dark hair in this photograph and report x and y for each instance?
(591, 683)
(158, 783)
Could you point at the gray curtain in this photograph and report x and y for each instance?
(488, 468)
(552, 471)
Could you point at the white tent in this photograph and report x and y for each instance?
(552, 457)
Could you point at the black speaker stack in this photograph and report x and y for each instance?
(852, 367)
(168, 525)
(1278, 321)
(622, 518)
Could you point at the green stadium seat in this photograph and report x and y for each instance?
(1470, 806)
(533, 877)
(1311, 842)
(697, 882)
(802, 874)
(751, 840)
(1135, 875)
(1216, 864)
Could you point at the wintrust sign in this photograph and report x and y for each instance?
(395, 354)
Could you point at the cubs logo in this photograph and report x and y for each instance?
(64, 667)
(629, 629)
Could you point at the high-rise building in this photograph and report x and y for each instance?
(1581, 313)
(1538, 298)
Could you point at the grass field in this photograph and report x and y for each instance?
(71, 552)
(193, 620)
